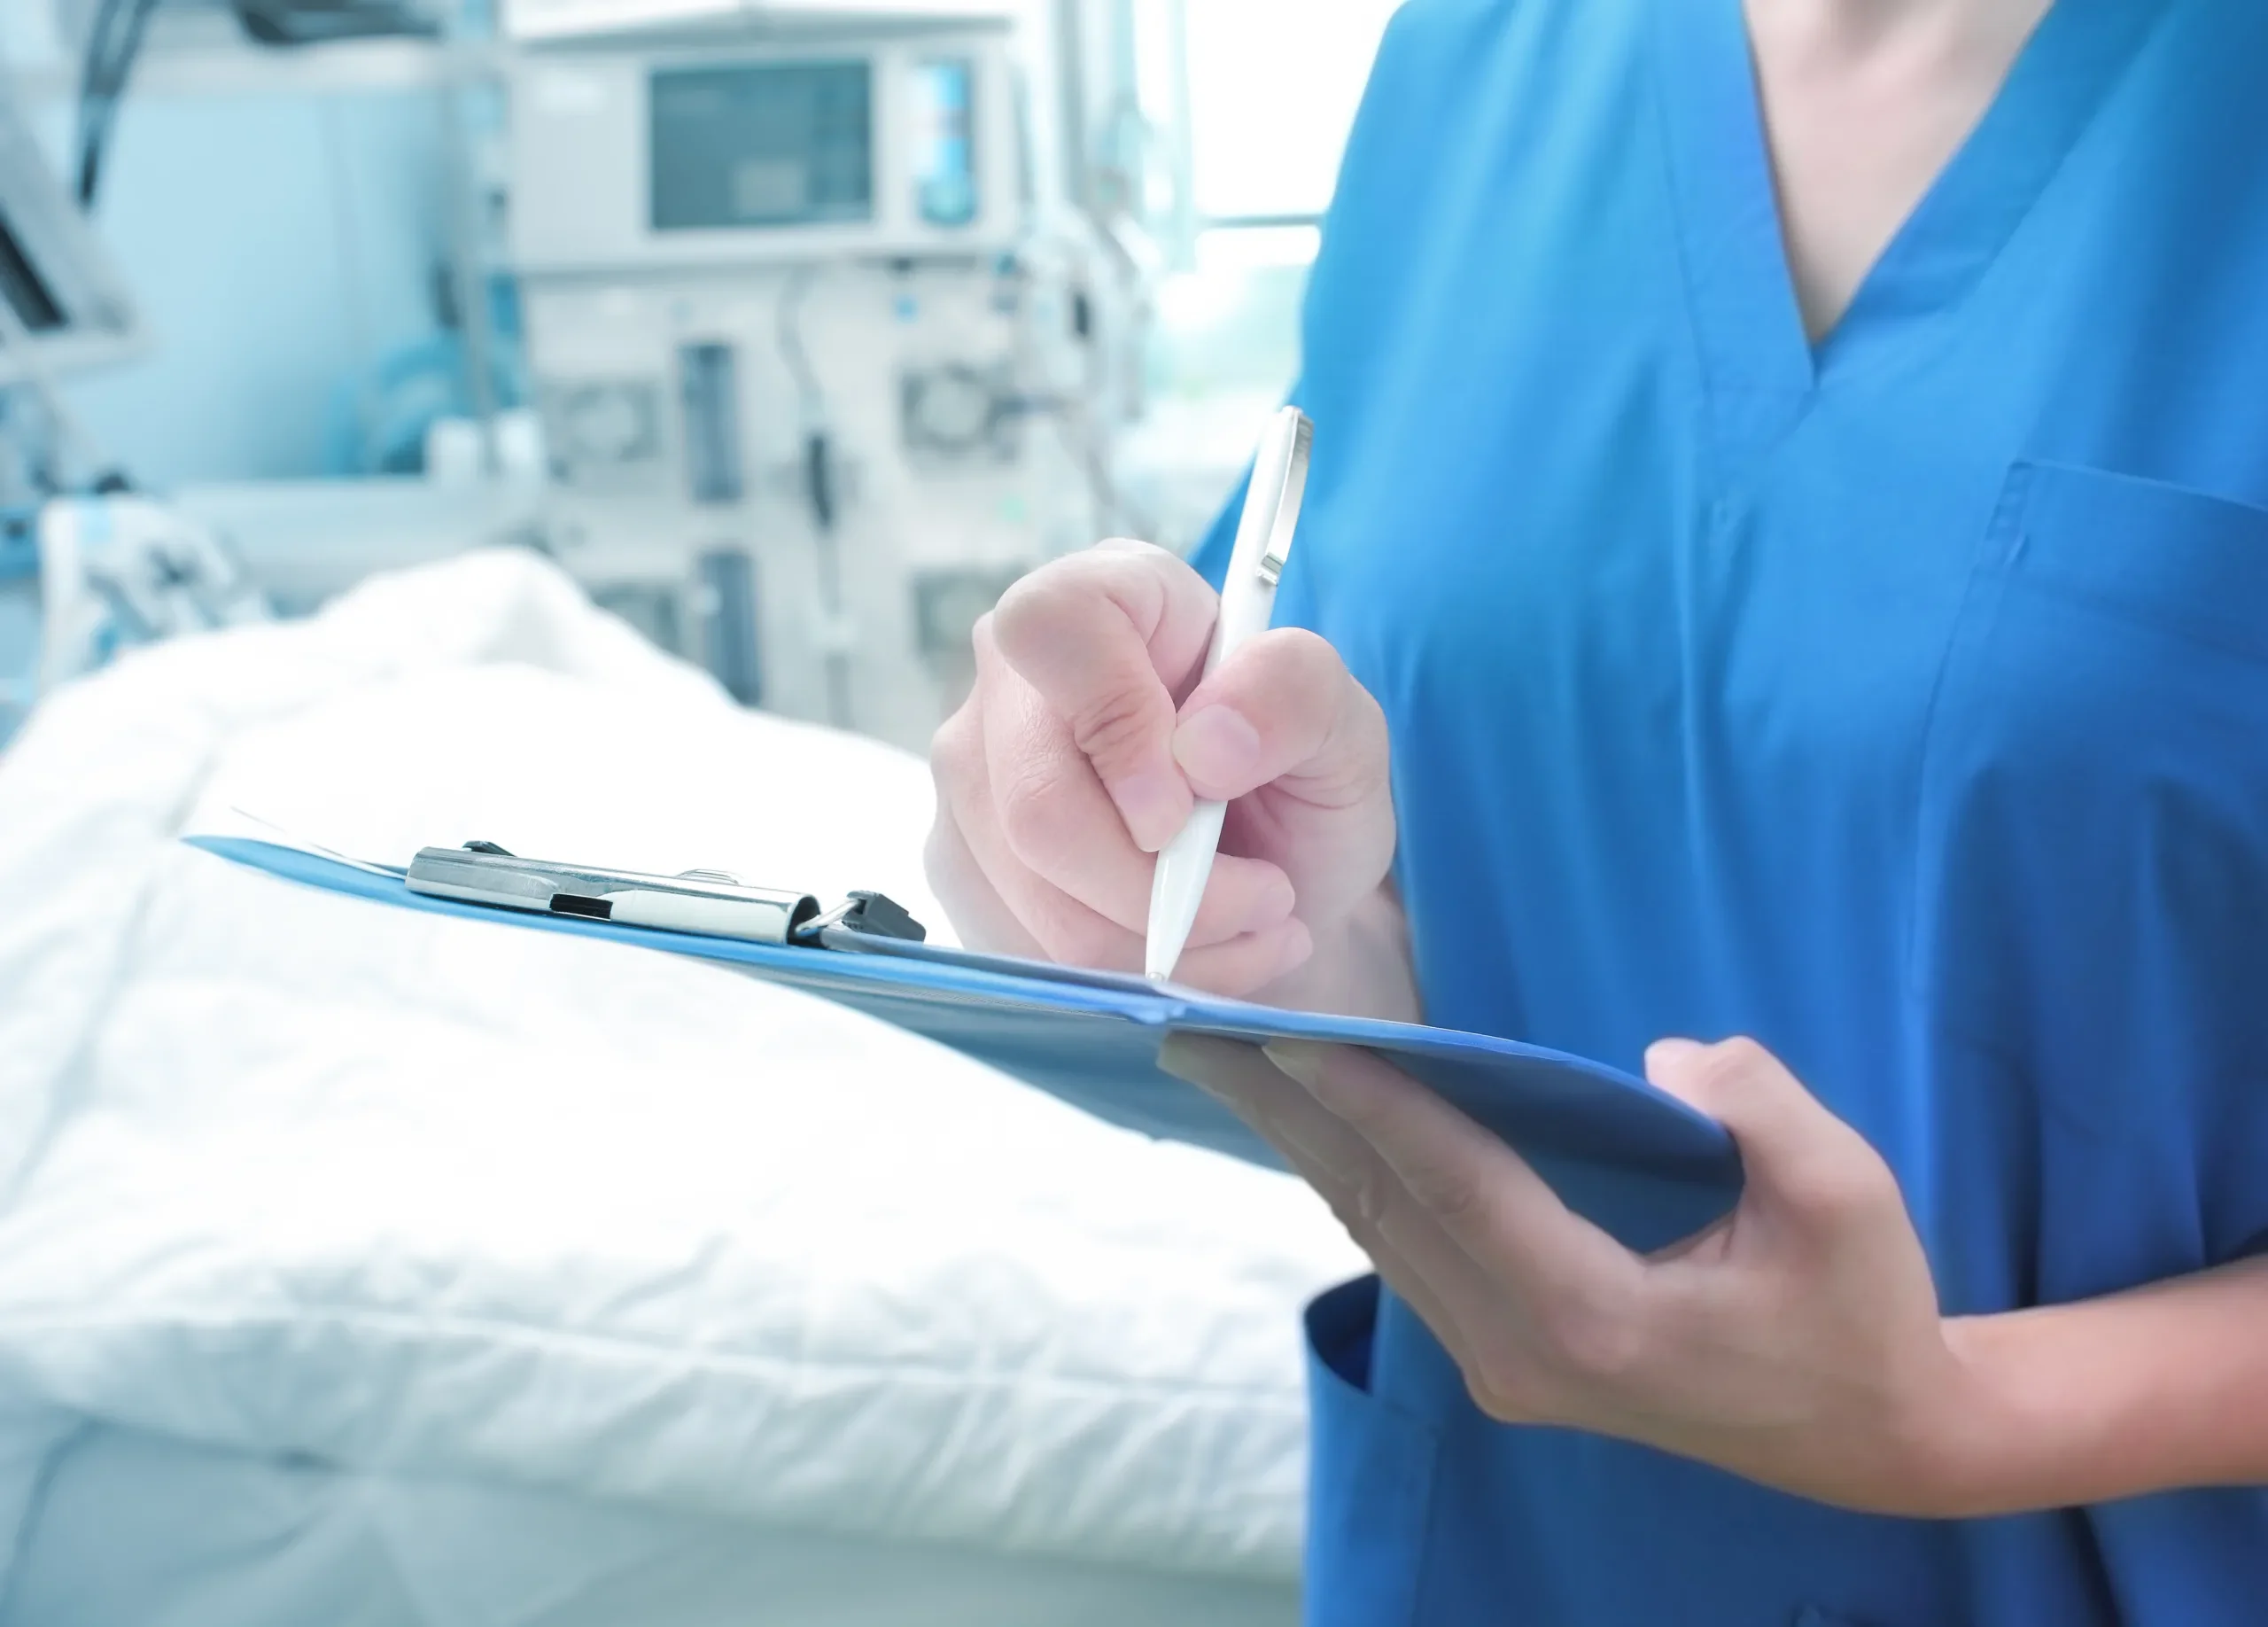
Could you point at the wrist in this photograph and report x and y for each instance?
(2028, 1425)
(1964, 1457)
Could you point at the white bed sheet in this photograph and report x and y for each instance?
(431, 1202)
(135, 1531)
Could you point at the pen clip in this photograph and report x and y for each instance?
(1278, 551)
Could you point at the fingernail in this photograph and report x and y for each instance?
(1672, 1052)
(1197, 1062)
(1217, 745)
(1301, 1060)
(1311, 1064)
(1297, 948)
(1155, 804)
(1180, 1058)
(1272, 906)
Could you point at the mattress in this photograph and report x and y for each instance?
(132, 1530)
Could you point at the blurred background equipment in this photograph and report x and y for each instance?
(312, 22)
(794, 331)
(63, 310)
(816, 381)
(63, 307)
(118, 570)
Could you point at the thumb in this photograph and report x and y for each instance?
(1285, 710)
(1788, 1141)
(1284, 713)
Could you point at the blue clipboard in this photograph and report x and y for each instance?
(1640, 1163)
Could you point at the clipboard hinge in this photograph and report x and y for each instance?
(872, 914)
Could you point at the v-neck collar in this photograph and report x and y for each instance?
(1761, 368)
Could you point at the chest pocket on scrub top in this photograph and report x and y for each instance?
(2090, 890)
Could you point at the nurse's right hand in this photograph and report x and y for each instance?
(1084, 743)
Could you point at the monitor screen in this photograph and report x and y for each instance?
(780, 145)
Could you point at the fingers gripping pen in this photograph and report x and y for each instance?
(1271, 512)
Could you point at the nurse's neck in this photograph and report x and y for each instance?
(1865, 102)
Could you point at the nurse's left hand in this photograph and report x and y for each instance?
(1797, 1343)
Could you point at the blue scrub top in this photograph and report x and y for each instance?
(1901, 701)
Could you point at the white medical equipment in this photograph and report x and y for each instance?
(676, 157)
(62, 307)
(63, 310)
(118, 570)
(83, 579)
(816, 384)
(73, 587)
(824, 348)
(20, 620)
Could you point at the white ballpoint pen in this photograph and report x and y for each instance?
(1271, 512)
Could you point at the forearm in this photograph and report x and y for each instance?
(2148, 1390)
(1362, 968)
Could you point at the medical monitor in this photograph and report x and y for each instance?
(647, 158)
(59, 286)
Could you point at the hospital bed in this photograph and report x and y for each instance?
(360, 1266)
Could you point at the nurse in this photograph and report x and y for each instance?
(1786, 566)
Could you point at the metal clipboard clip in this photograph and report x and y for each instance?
(706, 901)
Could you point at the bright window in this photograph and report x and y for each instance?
(1273, 87)
(1247, 103)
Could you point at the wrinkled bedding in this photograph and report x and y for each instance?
(286, 1176)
